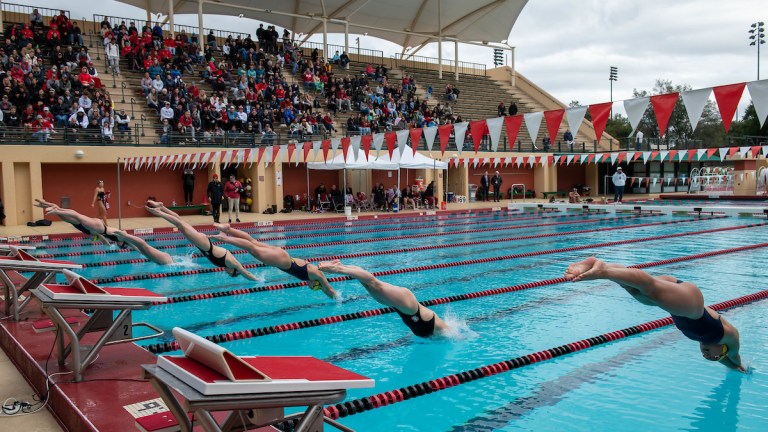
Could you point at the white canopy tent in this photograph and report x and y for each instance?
(408, 160)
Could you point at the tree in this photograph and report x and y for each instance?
(618, 127)
(749, 125)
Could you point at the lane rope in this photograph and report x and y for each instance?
(162, 275)
(393, 238)
(175, 236)
(173, 345)
(367, 403)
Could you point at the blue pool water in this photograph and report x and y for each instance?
(652, 381)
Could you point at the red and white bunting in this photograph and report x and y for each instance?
(507, 161)
(727, 98)
(532, 123)
(723, 152)
(694, 102)
(569, 159)
(402, 140)
(758, 91)
(378, 141)
(519, 161)
(494, 129)
(460, 132)
(646, 156)
(429, 136)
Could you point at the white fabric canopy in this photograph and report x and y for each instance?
(477, 20)
(408, 161)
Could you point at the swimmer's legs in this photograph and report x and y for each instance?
(143, 248)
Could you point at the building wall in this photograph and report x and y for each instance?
(78, 183)
(569, 175)
(510, 175)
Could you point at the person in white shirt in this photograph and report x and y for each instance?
(619, 180)
(166, 112)
(85, 102)
(639, 140)
(157, 83)
(112, 50)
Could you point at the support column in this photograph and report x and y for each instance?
(440, 39)
(9, 193)
(544, 178)
(200, 40)
(456, 58)
(170, 17)
(325, 40)
(592, 179)
(346, 38)
(259, 186)
(36, 188)
(277, 189)
(514, 74)
(2, 25)
(149, 15)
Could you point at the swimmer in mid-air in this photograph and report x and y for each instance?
(92, 227)
(217, 255)
(718, 339)
(422, 321)
(276, 257)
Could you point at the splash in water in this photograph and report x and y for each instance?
(458, 328)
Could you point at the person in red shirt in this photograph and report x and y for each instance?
(170, 43)
(232, 192)
(26, 33)
(41, 129)
(185, 124)
(280, 93)
(54, 36)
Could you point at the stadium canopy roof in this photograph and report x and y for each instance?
(408, 23)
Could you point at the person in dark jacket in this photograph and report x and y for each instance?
(215, 195)
(188, 178)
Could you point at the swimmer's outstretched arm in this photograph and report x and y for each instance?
(731, 340)
(235, 264)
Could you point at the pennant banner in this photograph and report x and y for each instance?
(554, 119)
(575, 117)
(758, 91)
(600, 113)
(532, 123)
(694, 102)
(662, 106)
(494, 129)
(635, 109)
(727, 98)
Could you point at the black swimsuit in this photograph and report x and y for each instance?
(82, 229)
(418, 326)
(217, 261)
(706, 329)
(297, 271)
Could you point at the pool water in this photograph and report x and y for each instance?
(651, 381)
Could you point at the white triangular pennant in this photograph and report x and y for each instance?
(569, 159)
(316, 146)
(635, 109)
(460, 131)
(227, 158)
(532, 123)
(507, 161)
(494, 128)
(531, 160)
(252, 158)
(723, 153)
(283, 153)
(646, 156)
(695, 101)
(575, 117)
(614, 156)
(663, 155)
(355, 144)
(378, 141)
(700, 153)
(584, 158)
(681, 155)
(268, 155)
(429, 136)
(402, 140)
(519, 161)
(743, 151)
(758, 91)
(335, 143)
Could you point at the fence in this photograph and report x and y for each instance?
(431, 63)
(221, 35)
(362, 55)
(20, 13)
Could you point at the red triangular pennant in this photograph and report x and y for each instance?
(326, 146)
(600, 113)
(344, 147)
(261, 154)
(307, 148)
(390, 138)
(621, 157)
(445, 134)
(477, 128)
(554, 118)
(672, 154)
(732, 151)
(415, 138)
(275, 151)
(662, 107)
(550, 160)
(366, 141)
(291, 148)
(728, 97)
(513, 124)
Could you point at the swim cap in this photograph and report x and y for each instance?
(316, 285)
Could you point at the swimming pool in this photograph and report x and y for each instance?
(634, 384)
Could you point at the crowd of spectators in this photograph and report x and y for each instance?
(50, 84)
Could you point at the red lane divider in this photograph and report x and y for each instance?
(366, 403)
(413, 249)
(257, 332)
(173, 235)
(55, 238)
(290, 285)
(339, 242)
(203, 296)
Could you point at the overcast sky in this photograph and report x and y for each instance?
(567, 47)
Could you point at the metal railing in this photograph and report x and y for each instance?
(140, 134)
(361, 55)
(431, 63)
(14, 12)
(221, 35)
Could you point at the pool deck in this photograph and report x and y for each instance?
(113, 381)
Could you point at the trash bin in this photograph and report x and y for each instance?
(472, 193)
(348, 211)
(450, 196)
